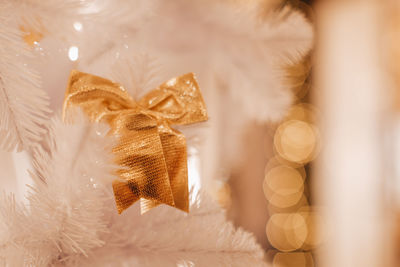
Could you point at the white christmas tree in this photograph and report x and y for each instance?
(70, 218)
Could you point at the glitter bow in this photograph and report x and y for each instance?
(153, 154)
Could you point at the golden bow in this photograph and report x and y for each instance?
(152, 153)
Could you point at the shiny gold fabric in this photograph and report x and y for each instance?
(152, 154)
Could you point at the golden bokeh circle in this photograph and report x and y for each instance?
(297, 259)
(296, 141)
(283, 186)
(315, 223)
(301, 203)
(277, 161)
(287, 231)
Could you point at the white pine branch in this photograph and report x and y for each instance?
(49, 17)
(118, 18)
(72, 220)
(122, 14)
(232, 43)
(251, 51)
(256, 62)
(168, 237)
(65, 214)
(137, 73)
(23, 105)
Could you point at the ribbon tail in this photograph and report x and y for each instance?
(174, 148)
(125, 194)
(140, 152)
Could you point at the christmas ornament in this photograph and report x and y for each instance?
(152, 153)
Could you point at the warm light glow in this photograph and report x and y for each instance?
(303, 202)
(193, 170)
(78, 26)
(314, 222)
(283, 186)
(303, 112)
(296, 141)
(287, 231)
(224, 195)
(278, 161)
(293, 260)
(73, 53)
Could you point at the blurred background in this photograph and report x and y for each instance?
(329, 169)
(280, 156)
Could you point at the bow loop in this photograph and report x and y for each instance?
(96, 96)
(178, 100)
(152, 154)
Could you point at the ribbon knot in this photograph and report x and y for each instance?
(153, 154)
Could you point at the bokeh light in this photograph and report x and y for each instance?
(298, 259)
(73, 53)
(314, 221)
(78, 26)
(296, 141)
(292, 226)
(283, 186)
(287, 231)
(303, 112)
(303, 202)
(277, 161)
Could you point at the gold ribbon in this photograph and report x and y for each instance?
(153, 154)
